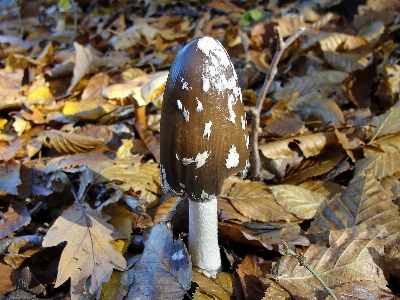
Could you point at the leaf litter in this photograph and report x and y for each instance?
(82, 214)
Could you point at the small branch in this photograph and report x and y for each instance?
(75, 10)
(282, 46)
(303, 262)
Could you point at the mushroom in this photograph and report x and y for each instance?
(204, 140)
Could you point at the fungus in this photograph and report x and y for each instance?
(203, 140)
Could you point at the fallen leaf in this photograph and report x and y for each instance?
(208, 288)
(9, 177)
(350, 257)
(88, 251)
(297, 200)
(364, 201)
(164, 270)
(13, 219)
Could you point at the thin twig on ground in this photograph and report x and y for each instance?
(303, 262)
(282, 46)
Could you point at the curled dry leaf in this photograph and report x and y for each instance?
(270, 236)
(88, 251)
(87, 139)
(144, 89)
(310, 145)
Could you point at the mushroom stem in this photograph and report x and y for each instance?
(203, 236)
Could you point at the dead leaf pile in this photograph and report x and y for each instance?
(82, 214)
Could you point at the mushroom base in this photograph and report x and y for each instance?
(203, 236)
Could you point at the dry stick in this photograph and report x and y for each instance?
(303, 262)
(282, 46)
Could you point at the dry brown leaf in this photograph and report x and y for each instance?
(219, 288)
(351, 256)
(8, 150)
(95, 85)
(345, 62)
(382, 164)
(359, 84)
(310, 145)
(255, 201)
(297, 200)
(83, 60)
(151, 141)
(18, 254)
(364, 201)
(363, 289)
(9, 177)
(270, 236)
(86, 110)
(387, 123)
(15, 217)
(314, 166)
(282, 124)
(251, 273)
(82, 140)
(275, 292)
(141, 178)
(164, 271)
(133, 36)
(88, 251)
(387, 144)
(317, 111)
(9, 278)
(144, 89)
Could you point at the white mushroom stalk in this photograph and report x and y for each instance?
(203, 236)
(203, 140)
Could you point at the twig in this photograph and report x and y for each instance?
(303, 262)
(75, 10)
(282, 46)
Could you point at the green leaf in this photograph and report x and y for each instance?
(63, 5)
(256, 15)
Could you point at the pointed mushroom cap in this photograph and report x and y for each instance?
(203, 124)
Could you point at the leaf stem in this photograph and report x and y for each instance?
(282, 46)
(303, 262)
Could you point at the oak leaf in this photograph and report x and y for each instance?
(88, 251)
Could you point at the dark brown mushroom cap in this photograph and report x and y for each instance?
(204, 139)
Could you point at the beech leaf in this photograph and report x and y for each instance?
(164, 270)
(387, 123)
(78, 142)
(255, 201)
(350, 257)
(219, 288)
(363, 201)
(88, 251)
(297, 200)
